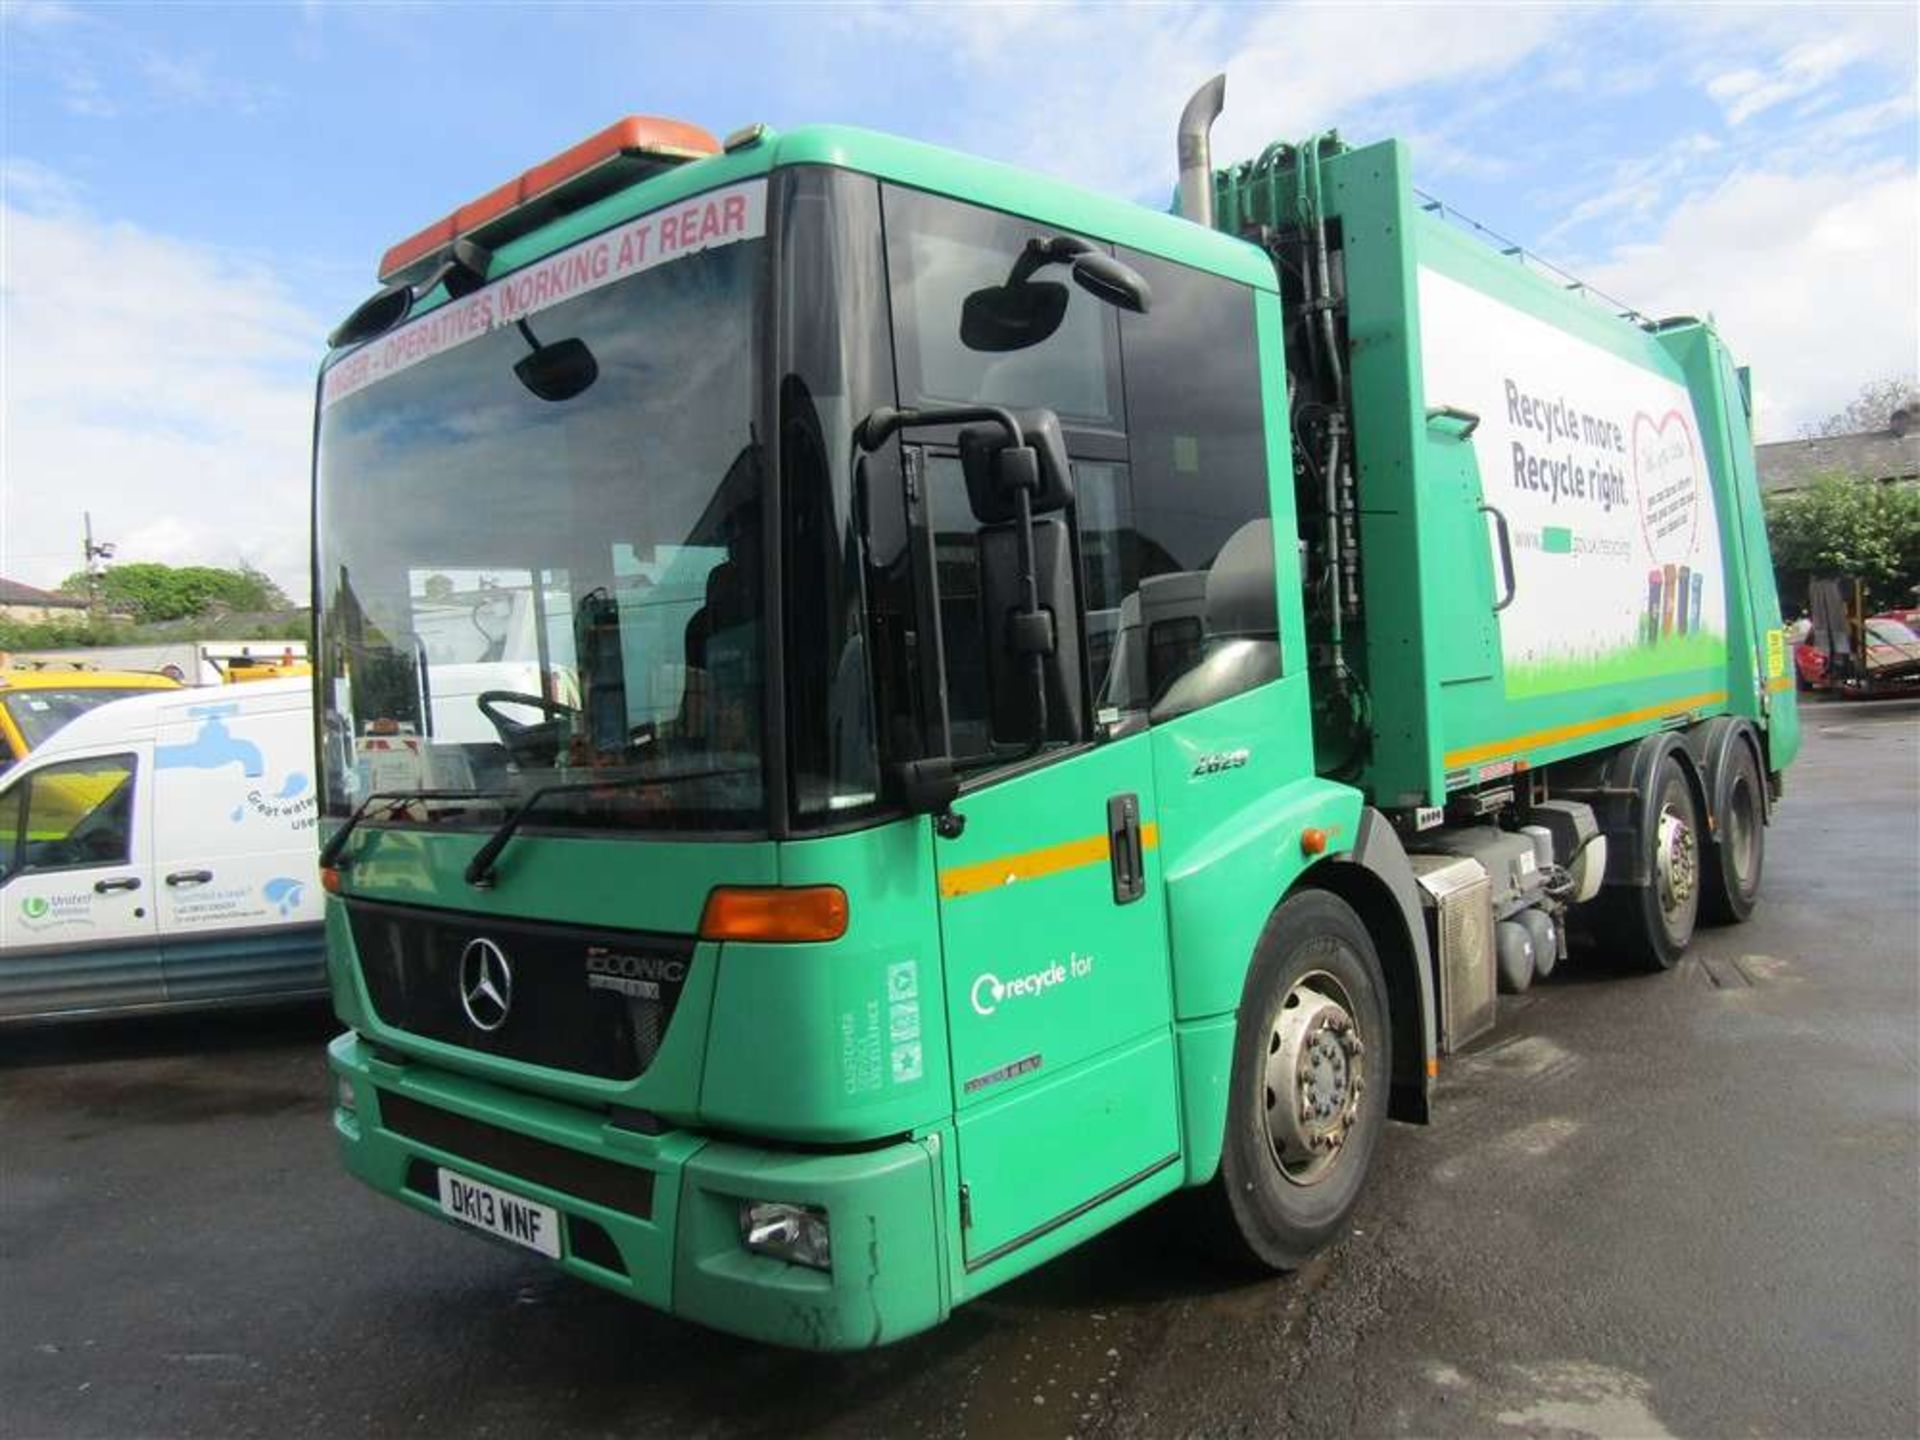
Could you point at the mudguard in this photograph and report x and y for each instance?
(1214, 917)
(1619, 801)
(1714, 745)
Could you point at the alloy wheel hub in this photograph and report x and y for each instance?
(1314, 1079)
(1676, 857)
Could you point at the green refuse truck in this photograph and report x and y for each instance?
(880, 713)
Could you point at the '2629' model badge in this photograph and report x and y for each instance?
(1220, 760)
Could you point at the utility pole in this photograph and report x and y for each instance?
(97, 555)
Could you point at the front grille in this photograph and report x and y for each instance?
(625, 1188)
(594, 1002)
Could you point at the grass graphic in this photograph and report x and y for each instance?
(1670, 655)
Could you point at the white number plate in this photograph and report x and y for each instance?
(535, 1226)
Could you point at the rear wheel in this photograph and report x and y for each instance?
(1308, 1094)
(1650, 925)
(1731, 874)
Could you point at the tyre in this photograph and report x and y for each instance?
(1649, 926)
(1308, 1092)
(1731, 875)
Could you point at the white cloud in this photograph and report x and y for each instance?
(1746, 92)
(165, 386)
(38, 14)
(1063, 89)
(1813, 279)
(1639, 186)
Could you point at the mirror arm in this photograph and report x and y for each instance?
(1030, 595)
(883, 423)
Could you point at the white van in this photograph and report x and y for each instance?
(160, 852)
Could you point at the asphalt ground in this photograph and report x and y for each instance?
(1683, 1204)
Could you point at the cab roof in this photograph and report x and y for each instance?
(1041, 198)
(1024, 192)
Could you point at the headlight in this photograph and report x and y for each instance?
(797, 1233)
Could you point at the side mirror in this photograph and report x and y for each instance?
(999, 318)
(1109, 280)
(929, 787)
(1027, 644)
(462, 272)
(1025, 311)
(373, 317)
(997, 472)
(558, 371)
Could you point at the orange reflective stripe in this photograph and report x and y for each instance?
(1034, 864)
(1473, 754)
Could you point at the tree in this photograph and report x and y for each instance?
(1841, 525)
(150, 591)
(1868, 411)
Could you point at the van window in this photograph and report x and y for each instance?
(75, 813)
(38, 713)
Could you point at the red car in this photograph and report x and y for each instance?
(1892, 659)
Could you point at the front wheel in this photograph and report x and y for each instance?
(1308, 1096)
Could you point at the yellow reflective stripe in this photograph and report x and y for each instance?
(1785, 682)
(1473, 754)
(1034, 864)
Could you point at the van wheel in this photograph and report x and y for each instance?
(1739, 851)
(1650, 925)
(1308, 1091)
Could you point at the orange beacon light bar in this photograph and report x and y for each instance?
(628, 150)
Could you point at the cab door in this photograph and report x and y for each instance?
(77, 930)
(1052, 915)
(1058, 996)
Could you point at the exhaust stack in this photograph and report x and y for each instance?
(1196, 158)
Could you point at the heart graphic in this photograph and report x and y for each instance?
(1667, 482)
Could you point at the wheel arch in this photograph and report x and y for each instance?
(1620, 780)
(1376, 882)
(1715, 744)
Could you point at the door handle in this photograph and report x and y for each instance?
(1123, 842)
(189, 877)
(119, 882)
(1506, 555)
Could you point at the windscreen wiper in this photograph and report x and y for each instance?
(479, 872)
(330, 853)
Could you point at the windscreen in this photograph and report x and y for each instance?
(39, 713)
(539, 548)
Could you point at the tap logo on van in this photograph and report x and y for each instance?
(486, 984)
(989, 992)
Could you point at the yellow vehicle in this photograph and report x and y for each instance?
(36, 702)
(248, 666)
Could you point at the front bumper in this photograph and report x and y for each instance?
(656, 1217)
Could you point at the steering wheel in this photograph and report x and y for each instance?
(535, 745)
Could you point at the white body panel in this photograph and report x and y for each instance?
(194, 882)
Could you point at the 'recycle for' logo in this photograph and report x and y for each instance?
(989, 992)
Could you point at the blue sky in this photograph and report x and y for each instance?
(193, 194)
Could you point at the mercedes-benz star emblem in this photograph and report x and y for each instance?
(486, 984)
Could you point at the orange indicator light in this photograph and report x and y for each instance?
(773, 914)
